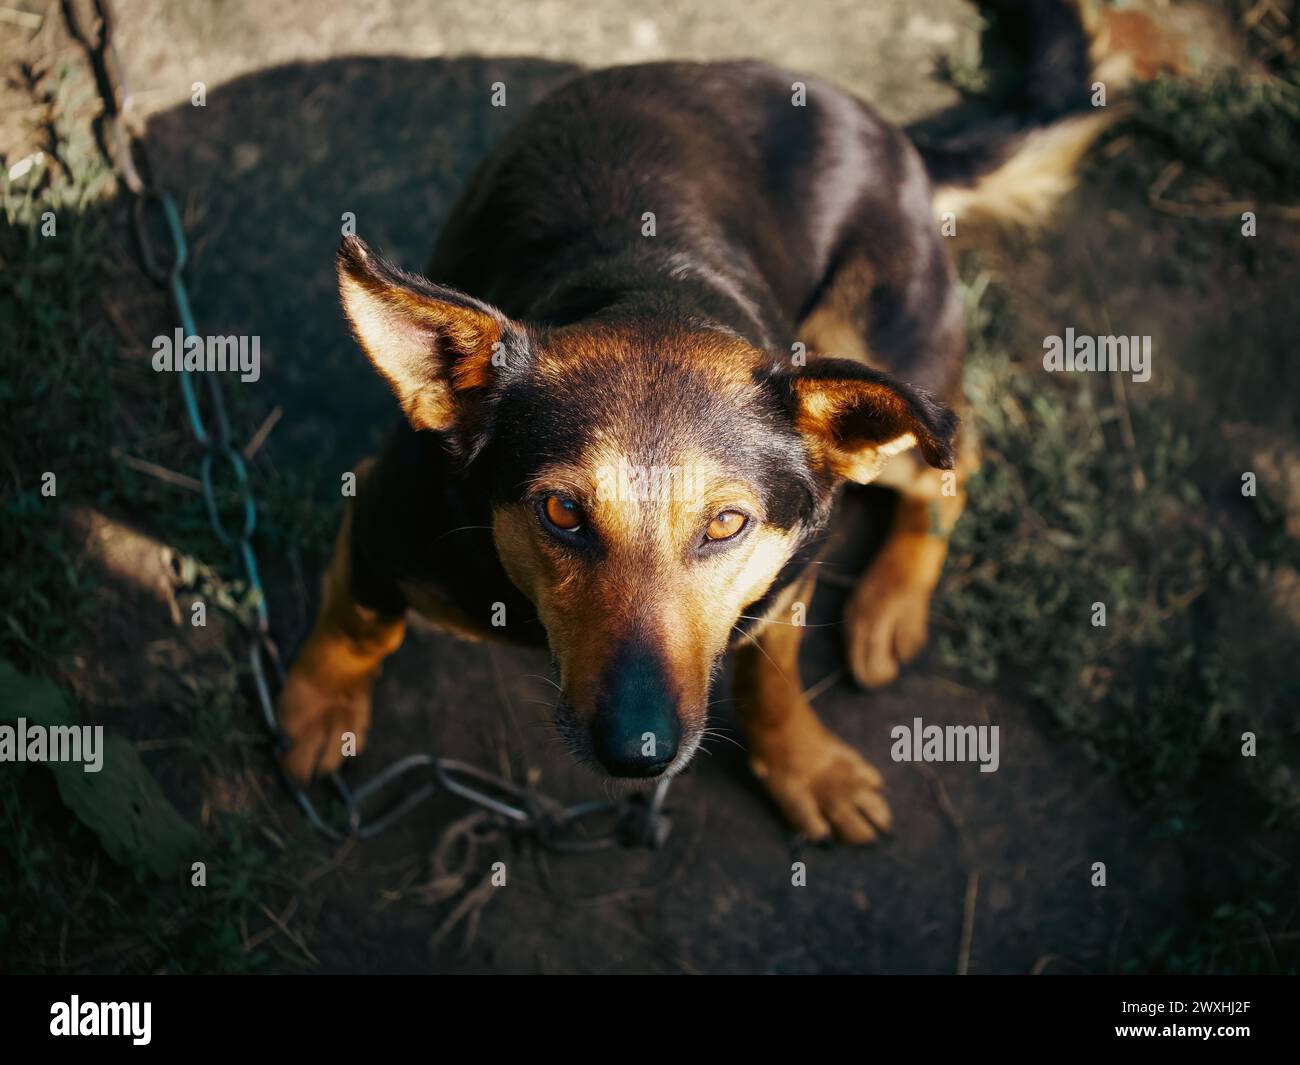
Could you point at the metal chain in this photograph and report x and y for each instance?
(638, 821)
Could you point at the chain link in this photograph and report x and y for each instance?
(638, 821)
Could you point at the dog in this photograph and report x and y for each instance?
(676, 310)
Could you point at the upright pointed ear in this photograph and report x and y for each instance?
(433, 345)
(853, 418)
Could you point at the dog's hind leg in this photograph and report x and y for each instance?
(819, 782)
(327, 693)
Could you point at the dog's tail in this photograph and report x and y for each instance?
(1057, 60)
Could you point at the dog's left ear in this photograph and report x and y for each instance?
(440, 350)
(854, 418)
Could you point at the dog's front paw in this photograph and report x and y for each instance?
(885, 626)
(822, 784)
(321, 723)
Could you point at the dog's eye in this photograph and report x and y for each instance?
(725, 525)
(562, 513)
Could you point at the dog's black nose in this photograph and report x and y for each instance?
(636, 731)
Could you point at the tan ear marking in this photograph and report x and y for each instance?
(430, 344)
(854, 424)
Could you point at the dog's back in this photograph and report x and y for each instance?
(729, 188)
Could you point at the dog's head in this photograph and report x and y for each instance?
(648, 483)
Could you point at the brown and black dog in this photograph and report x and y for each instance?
(625, 402)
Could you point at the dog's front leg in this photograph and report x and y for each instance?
(819, 782)
(887, 617)
(327, 693)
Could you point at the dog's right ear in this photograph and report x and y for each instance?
(440, 350)
(853, 418)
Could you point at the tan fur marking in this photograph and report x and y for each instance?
(1126, 46)
(1042, 170)
(328, 690)
(855, 426)
(839, 324)
(425, 349)
(827, 331)
(820, 783)
(887, 618)
(647, 583)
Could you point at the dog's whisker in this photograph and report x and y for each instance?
(763, 652)
(548, 680)
(463, 528)
(792, 624)
(726, 739)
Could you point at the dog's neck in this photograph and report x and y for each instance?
(723, 292)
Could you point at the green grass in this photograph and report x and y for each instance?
(1240, 131)
(1161, 695)
(1192, 656)
(75, 403)
(52, 364)
(68, 908)
(1055, 524)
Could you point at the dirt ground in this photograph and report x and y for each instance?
(314, 109)
(275, 158)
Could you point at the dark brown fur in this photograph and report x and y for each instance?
(588, 345)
